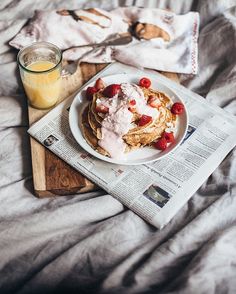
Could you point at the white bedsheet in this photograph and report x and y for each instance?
(90, 243)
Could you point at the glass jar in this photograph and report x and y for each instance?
(40, 70)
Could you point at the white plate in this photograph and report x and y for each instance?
(142, 155)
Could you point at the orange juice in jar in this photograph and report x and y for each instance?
(40, 69)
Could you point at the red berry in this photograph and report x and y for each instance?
(154, 102)
(145, 119)
(102, 108)
(161, 144)
(89, 92)
(111, 90)
(169, 137)
(177, 108)
(99, 84)
(145, 82)
(132, 102)
(132, 106)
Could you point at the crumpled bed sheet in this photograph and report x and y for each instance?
(91, 243)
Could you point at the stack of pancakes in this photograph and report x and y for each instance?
(137, 136)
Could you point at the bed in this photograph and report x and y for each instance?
(91, 243)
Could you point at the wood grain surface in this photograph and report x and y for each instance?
(51, 175)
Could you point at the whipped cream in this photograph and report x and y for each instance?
(133, 92)
(119, 119)
(116, 123)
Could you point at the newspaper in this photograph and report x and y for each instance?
(154, 191)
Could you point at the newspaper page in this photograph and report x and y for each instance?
(154, 191)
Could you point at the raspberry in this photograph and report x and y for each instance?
(99, 84)
(111, 90)
(132, 102)
(154, 101)
(145, 119)
(132, 106)
(177, 108)
(145, 82)
(161, 144)
(169, 137)
(89, 92)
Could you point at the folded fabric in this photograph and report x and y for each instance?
(162, 40)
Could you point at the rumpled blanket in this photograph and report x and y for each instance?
(90, 243)
(162, 40)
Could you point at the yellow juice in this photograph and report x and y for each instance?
(42, 88)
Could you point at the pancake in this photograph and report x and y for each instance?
(136, 136)
(164, 98)
(151, 133)
(88, 134)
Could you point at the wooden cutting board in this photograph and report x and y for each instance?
(51, 175)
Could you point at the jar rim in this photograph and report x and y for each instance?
(36, 44)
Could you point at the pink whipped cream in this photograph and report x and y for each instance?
(119, 119)
(134, 92)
